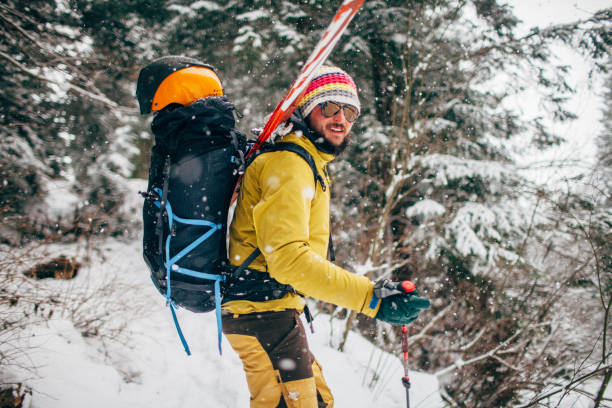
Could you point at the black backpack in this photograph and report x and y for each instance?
(195, 164)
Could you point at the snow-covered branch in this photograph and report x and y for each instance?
(65, 85)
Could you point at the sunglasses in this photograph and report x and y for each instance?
(330, 109)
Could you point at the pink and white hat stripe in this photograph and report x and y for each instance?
(329, 84)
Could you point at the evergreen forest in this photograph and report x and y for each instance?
(435, 186)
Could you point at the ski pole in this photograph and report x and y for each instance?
(406, 378)
(387, 288)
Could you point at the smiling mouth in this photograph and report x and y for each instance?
(337, 128)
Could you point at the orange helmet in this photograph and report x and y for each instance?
(175, 79)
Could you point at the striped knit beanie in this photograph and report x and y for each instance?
(329, 84)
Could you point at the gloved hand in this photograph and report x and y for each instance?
(400, 303)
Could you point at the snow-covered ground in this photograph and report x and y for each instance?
(145, 365)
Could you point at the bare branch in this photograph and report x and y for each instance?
(474, 340)
(423, 333)
(570, 386)
(489, 354)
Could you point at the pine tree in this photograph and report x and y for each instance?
(65, 89)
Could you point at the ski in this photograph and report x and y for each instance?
(324, 47)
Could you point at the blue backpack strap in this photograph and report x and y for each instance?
(217, 279)
(178, 328)
(172, 266)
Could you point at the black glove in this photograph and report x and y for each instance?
(400, 303)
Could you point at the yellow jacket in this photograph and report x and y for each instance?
(279, 212)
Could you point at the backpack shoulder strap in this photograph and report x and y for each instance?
(303, 153)
(299, 150)
(247, 261)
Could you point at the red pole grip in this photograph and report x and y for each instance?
(408, 286)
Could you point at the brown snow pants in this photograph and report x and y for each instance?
(281, 371)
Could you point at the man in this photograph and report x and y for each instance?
(285, 213)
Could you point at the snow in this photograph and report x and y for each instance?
(466, 240)
(145, 365)
(289, 33)
(62, 6)
(425, 208)
(452, 168)
(58, 83)
(206, 5)
(308, 193)
(184, 10)
(253, 15)
(60, 200)
(132, 356)
(273, 182)
(247, 33)
(67, 31)
(476, 230)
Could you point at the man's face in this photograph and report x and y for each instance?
(335, 129)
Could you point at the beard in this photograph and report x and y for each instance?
(324, 145)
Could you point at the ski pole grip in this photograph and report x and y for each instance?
(408, 286)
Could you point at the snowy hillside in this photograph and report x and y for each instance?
(135, 359)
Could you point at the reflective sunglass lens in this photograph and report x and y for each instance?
(350, 113)
(329, 109)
